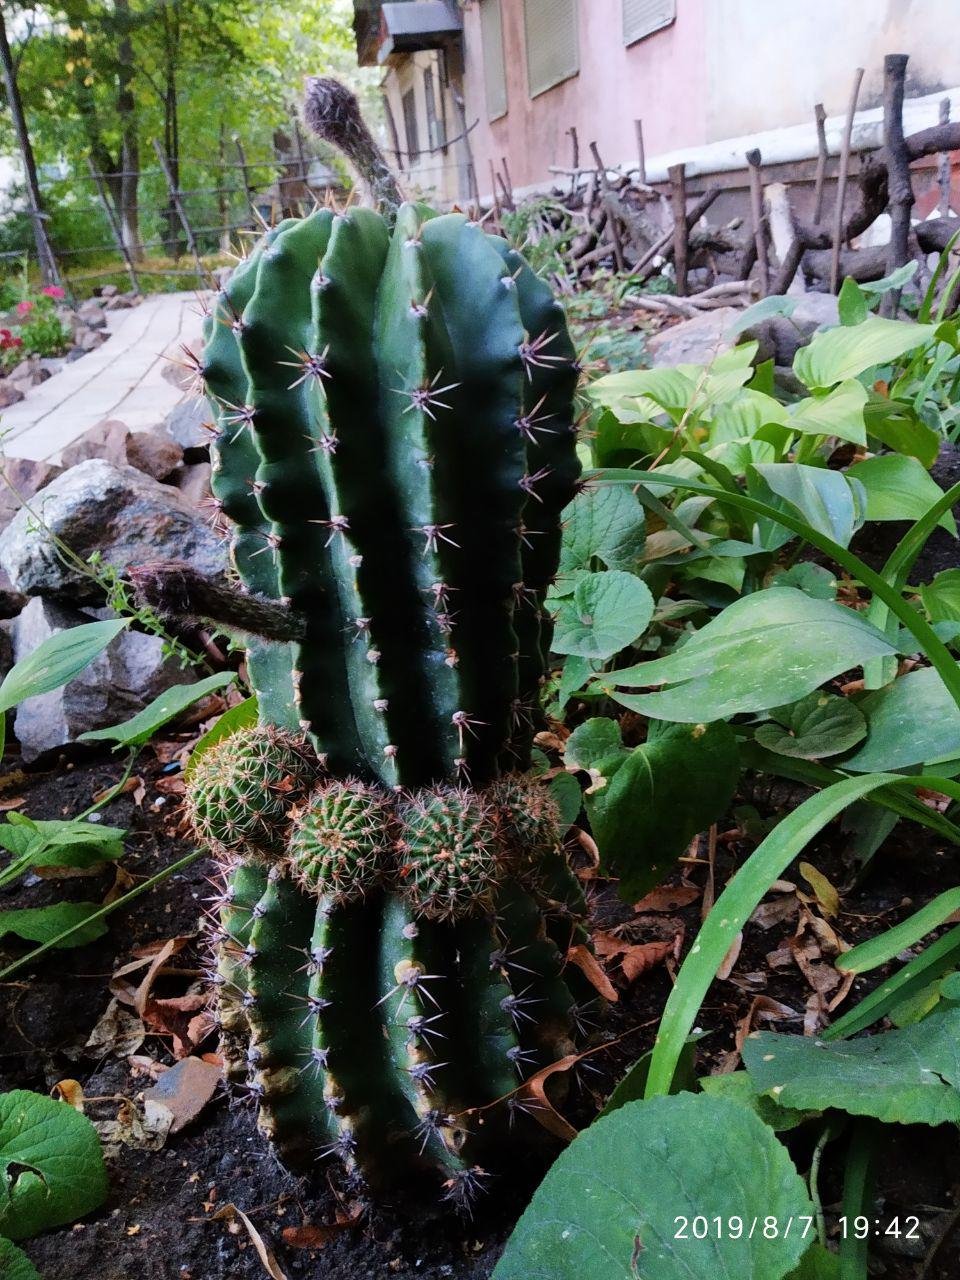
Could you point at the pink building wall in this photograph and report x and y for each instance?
(659, 79)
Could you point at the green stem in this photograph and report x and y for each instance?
(16, 868)
(858, 1200)
(101, 914)
(114, 791)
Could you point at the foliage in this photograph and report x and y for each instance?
(51, 1166)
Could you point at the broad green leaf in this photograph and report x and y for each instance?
(825, 499)
(596, 739)
(897, 278)
(764, 650)
(643, 810)
(738, 1087)
(61, 843)
(141, 728)
(852, 303)
(908, 1076)
(575, 673)
(876, 951)
(835, 355)
(818, 1263)
(838, 413)
(568, 798)
(941, 597)
(14, 1263)
(821, 724)
(898, 488)
(665, 388)
(40, 924)
(55, 662)
(777, 304)
(910, 721)
(897, 425)
(813, 579)
(237, 717)
(729, 571)
(608, 1209)
(734, 907)
(607, 612)
(51, 1165)
(594, 525)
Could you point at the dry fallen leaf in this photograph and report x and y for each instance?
(230, 1213)
(731, 958)
(132, 1129)
(182, 1092)
(314, 1236)
(826, 894)
(117, 1031)
(543, 1111)
(15, 802)
(590, 966)
(638, 959)
(668, 897)
(70, 1091)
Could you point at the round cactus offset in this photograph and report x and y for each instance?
(341, 840)
(449, 852)
(529, 820)
(244, 787)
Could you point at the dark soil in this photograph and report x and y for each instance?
(161, 1223)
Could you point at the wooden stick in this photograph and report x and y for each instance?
(678, 201)
(177, 202)
(641, 155)
(898, 170)
(943, 164)
(493, 192)
(759, 219)
(820, 117)
(114, 224)
(508, 182)
(664, 245)
(575, 163)
(611, 212)
(842, 180)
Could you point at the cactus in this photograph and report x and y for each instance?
(393, 395)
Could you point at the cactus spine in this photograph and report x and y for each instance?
(395, 443)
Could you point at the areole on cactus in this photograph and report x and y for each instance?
(393, 394)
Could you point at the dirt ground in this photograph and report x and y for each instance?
(161, 1220)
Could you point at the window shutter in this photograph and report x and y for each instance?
(409, 103)
(553, 49)
(494, 69)
(644, 17)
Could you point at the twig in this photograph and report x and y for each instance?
(759, 219)
(842, 181)
(641, 154)
(678, 201)
(820, 117)
(611, 211)
(899, 185)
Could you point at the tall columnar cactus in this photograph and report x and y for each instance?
(394, 445)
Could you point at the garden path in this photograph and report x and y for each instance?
(122, 379)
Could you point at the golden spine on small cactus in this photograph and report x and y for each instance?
(449, 852)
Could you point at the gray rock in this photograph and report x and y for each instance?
(129, 673)
(696, 341)
(154, 452)
(96, 506)
(193, 481)
(106, 439)
(787, 334)
(24, 477)
(9, 394)
(188, 423)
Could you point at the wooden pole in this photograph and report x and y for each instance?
(49, 269)
(611, 211)
(677, 174)
(507, 182)
(114, 224)
(473, 187)
(245, 172)
(664, 244)
(944, 173)
(759, 220)
(820, 117)
(575, 143)
(899, 185)
(493, 192)
(177, 202)
(301, 156)
(641, 154)
(842, 181)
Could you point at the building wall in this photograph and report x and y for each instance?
(723, 68)
(438, 174)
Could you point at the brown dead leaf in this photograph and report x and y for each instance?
(731, 958)
(315, 1235)
(129, 785)
(132, 1129)
(117, 1031)
(70, 1091)
(761, 1009)
(668, 897)
(590, 848)
(173, 1017)
(543, 1111)
(590, 967)
(646, 955)
(230, 1213)
(15, 802)
(775, 912)
(552, 740)
(122, 881)
(182, 1092)
(173, 785)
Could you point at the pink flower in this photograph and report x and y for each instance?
(53, 291)
(24, 308)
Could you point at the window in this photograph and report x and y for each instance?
(436, 123)
(409, 103)
(494, 69)
(553, 51)
(644, 17)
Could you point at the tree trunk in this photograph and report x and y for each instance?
(129, 177)
(48, 264)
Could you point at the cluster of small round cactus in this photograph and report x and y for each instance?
(255, 794)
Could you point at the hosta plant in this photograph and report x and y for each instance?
(393, 395)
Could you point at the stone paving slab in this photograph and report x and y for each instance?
(120, 379)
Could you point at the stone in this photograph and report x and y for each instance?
(128, 674)
(9, 394)
(787, 334)
(28, 373)
(154, 452)
(89, 339)
(22, 477)
(109, 290)
(6, 649)
(115, 510)
(193, 481)
(90, 314)
(11, 602)
(696, 341)
(189, 424)
(106, 439)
